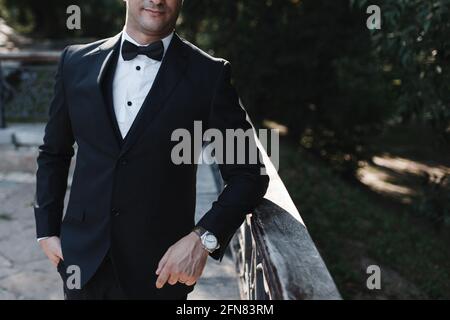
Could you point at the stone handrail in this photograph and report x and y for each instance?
(274, 254)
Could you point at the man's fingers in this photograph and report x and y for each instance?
(173, 279)
(162, 262)
(52, 257)
(55, 260)
(59, 253)
(52, 248)
(190, 282)
(162, 278)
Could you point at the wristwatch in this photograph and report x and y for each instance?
(208, 239)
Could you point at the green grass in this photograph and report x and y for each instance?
(350, 227)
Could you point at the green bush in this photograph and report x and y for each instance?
(414, 43)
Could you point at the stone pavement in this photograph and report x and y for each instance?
(25, 272)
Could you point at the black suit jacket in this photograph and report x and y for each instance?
(127, 196)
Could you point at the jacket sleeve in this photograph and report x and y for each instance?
(245, 183)
(53, 162)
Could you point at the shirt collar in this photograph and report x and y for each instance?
(166, 40)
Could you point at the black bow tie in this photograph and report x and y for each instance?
(154, 50)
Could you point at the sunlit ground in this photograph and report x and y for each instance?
(398, 177)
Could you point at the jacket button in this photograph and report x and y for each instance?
(115, 212)
(124, 162)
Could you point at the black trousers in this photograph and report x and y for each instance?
(104, 285)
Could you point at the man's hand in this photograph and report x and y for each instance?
(52, 248)
(183, 262)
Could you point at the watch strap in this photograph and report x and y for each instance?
(199, 230)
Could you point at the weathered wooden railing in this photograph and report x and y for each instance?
(275, 256)
(22, 57)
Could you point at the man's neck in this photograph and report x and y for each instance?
(144, 38)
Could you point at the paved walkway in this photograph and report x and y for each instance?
(25, 272)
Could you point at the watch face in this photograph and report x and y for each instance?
(210, 241)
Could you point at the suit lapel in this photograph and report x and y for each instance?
(170, 72)
(107, 84)
(105, 52)
(104, 127)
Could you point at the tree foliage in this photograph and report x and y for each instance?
(414, 42)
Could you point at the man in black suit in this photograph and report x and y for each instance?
(129, 226)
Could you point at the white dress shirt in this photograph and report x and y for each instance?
(132, 82)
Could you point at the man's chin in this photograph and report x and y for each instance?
(152, 26)
(151, 29)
